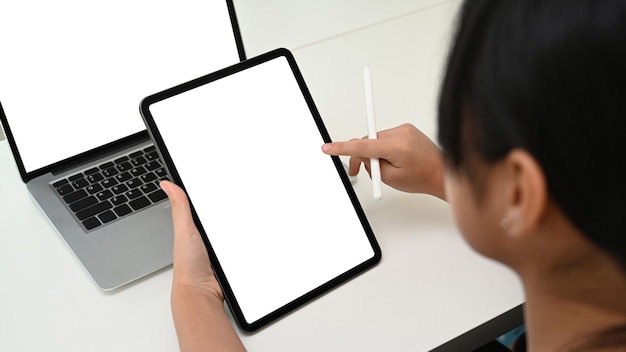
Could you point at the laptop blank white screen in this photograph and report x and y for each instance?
(273, 206)
(72, 72)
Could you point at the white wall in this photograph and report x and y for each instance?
(309, 22)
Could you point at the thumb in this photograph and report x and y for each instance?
(181, 211)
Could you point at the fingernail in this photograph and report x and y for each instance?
(327, 147)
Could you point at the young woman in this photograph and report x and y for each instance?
(532, 127)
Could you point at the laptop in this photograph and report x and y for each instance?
(72, 76)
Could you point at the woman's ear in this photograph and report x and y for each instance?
(525, 194)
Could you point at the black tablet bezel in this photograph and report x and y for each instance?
(219, 273)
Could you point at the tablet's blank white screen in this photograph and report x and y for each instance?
(272, 204)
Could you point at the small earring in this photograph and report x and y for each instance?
(505, 223)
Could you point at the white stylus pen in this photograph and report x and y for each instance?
(377, 183)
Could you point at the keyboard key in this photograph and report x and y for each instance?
(148, 177)
(110, 172)
(121, 160)
(83, 203)
(119, 189)
(80, 183)
(91, 171)
(161, 173)
(59, 183)
(149, 149)
(133, 193)
(123, 177)
(93, 210)
(109, 182)
(138, 171)
(74, 196)
(139, 161)
(152, 156)
(153, 165)
(148, 188)
(65, 189)
(91, 189)
(96, 177)
(157, 196)
(107, 216)
(117, 200)
(107, 165)
(91, 223)
(75, 177)
(139, 203)
(106, 194)
(122, 210)
(124, 166)
(133, 155)
(134, 183)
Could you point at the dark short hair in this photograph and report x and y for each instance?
(549, 77)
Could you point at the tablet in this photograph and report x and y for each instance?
(280, 219)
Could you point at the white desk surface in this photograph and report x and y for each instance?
(429, 288)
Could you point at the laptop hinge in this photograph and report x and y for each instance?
(97, 153)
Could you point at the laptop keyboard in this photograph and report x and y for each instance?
(114, 189)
